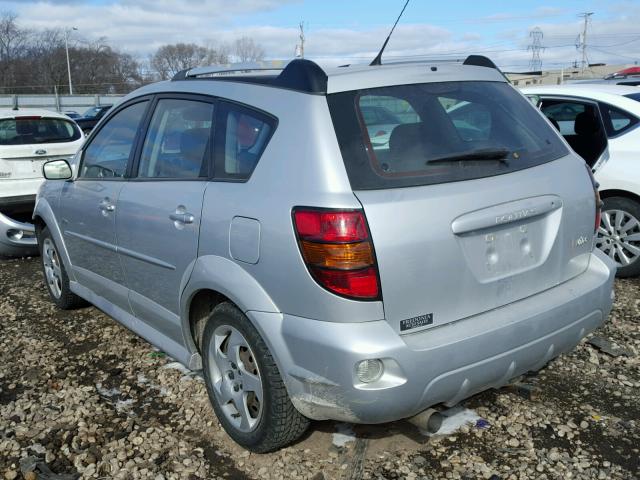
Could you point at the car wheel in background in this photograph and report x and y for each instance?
(245, 386)
(55, 275)
(619, 234)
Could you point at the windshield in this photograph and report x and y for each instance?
(35, 130)
(440, 132)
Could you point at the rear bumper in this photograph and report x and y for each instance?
(17, 201)
(442, 365)
(17, 238)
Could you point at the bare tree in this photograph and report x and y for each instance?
(246, 50)
(170, 59)
(35, 62)
(12, 40)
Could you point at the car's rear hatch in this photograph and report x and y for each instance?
(26, 143)
(463, 236)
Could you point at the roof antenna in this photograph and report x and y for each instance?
(378, 59)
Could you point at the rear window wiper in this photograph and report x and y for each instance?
(499, 154)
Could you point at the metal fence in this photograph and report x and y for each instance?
(59, 103)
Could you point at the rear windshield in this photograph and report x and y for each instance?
(35, 130)
(431, 133)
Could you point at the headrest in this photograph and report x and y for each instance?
(586, 123)
(194, 142)
(405, 136)
(25, 127)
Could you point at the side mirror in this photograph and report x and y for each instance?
(57, 170)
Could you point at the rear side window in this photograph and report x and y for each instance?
(178, 142)
(245, 135)
(440, 132)
(616, 121)
(108, 153)
(35, 130)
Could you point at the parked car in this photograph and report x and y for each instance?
(600, 122)
(240, 222)
(628, 80)
(91, 117)
(72, 114)
(28, 139)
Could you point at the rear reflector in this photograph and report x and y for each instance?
(338, 252)
(350, 283)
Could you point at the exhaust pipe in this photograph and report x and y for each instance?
(430, 420)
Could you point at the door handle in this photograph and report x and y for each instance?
(106, 206)
(184, 218)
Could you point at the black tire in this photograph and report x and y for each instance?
(279, 423)
(66, 300)
(630, 208)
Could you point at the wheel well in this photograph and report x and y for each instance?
(201, 305)
(620, 193)
(39, 225)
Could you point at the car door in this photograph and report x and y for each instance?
(159, 209)
(580, 122)
(88, 205)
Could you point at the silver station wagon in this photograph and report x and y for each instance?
(357, 244)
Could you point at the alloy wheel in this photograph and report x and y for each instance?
(619, 237)
(52, 268)
(237, 383)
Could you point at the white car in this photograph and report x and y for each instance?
(600, 122)
(28, 139)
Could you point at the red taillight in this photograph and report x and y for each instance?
(337, 250)
(330, 226)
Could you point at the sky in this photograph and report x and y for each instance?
(340, 32)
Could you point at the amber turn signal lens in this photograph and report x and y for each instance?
(346, 256)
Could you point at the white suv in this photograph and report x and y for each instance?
(28, 139)
(600, 122)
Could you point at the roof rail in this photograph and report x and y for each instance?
(298, 74)
(222, 68)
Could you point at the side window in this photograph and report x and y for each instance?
(108, 153)
(471, 119)
(563, 114)
(246, 134)
(178, 141)
(616, 120)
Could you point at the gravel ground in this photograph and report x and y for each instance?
(84, 396)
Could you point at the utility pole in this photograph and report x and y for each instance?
(582, 40)
(300, 47)
(66, 48)
(536, 47)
